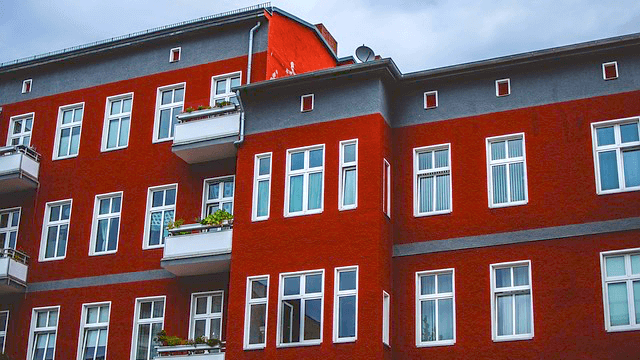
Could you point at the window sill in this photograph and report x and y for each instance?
(513, 338)
(151, 247)
(312, 212)
(436, 343)
(254, 347)
(433, 213)
(64, 157)
(156, 141)
(255, 219)
(509, 204)
(114, 149)
(103, 253)
(52, 259)
(346, 208)
(616, 191)
(307, 343)
(623, 328)
(345, 340)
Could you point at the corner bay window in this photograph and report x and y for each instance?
(435, 308)
(621, 289)
(255, 327)
(261, 187)
(300, 313)
(512, 306)
(348, 174)
(616, 147)
(305, 179)
(345, 305)
(149, 320)
(507, 170)
(432, 180)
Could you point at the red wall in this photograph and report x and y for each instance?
(323, 241)
(566, 293)
(289, 41)
(560, 170)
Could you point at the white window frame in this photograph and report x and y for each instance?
(512, 290)
(247, 312)
(3, 334)
(628, 279)
(306, 171)
(619, 147)
(313, 102)
(13, 119)
(386, 318)
(208, 316)
(149, 209)
(136, 321)
(174, 50)
(46, 223)
(97, 326)
(48, 329)
(96, 217)
(159, 108)
(501, 81)
(60, 127)
(352, 165)
(228, 93)
(27, 86)
(604, 73)
(108, 117)
(506, 162)
(257, 178)
(337, 294)
(303, 297)
(427, 93)
(205, 193)
(431, 173)
(437, 296)
(9, 229)
(386, 188)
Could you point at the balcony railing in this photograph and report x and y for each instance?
(14, 266)
(206, 135)
(197, 249)
(19, 167)
(191, 352)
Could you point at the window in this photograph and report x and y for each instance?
(161, 207)
(20, 130)
(218, 194)
(206, 315)
(616, 154)
(148, 321)
(307, 102)
(511, 302)
(117, 120)
(507, 170)
(55, 230)
(345, 304)
(42, 337)
(435, 308)
(26, 86)
(255, 316)
(9, 222)
(432, 180)
(106, 224)
(348, 175)
(174, 55)
(261, 187)
(221, 88)
(610, 70)
(169, 103)
(621, 289)
(386, 314)
(94, 331)
(69, 125)
(386, 188)
(430, 99)
(4, 321)
(300, 313)
(305, 181)
(503, 87)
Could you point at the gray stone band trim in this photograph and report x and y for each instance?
(516, 237)
(196, 260)
(99, 280)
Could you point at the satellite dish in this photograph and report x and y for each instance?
(364, 54)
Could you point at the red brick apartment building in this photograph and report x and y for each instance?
(483, 210)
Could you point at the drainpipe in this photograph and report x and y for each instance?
(251, 32)
(241, 139)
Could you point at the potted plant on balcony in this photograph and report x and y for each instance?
(181, 346)
(220, 217)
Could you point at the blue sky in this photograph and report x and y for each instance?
(418, 35)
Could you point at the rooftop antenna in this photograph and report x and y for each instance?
(364, 54)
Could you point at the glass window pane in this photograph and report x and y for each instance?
(66, 212)
(516, 181)
(515, 148)
(313, 283)
(257, 321)
(615, 266)
(503, 277)
(235, 81)
(523, 313)
(505, 315)
(41, 319)
(521, 275)
(200, 328)
(349, 153)
(259, 289)
(170, 197)
(104, 313)
(53, 318)
(636, 299)
(221, 87)
(105, 206)
(265, 164)
(445, 283)
(113, 233)
(629, 132)
(347, 280)
(635, 264)
(157, 198)
(52, 233)
(427, 284)
(215, 329)
(499, 179)
(158, 308)
(145, 310)
(142, 342)
(631, 161)
(295, 193)
(498, 150)
(3, 321)
(167, 97)
(124, 132)
(115, 107)
(315, 158)
(115, 204)
(428, 320)
(445, 319)
(27, 125)
(17, 127)
(216, 304)
(605, 136)
(62, 241)
(443, 192)
(349, 187)
(618, 305)
(165, 123)
(425, 160)
(101, 236)
(228, 189)
(201, 305)
(263, 198)
(315, 191)
(347, 316)
(297, 161)
(126, 105)
(292, 285)
(54, 214)
(178, 95)
(425, 189)
(155, 226)
(63, 149)
(67, 116)
(214, 191)
(75, 140)
(441, 158)
(290, 321)
(312, 319)
(77, 115)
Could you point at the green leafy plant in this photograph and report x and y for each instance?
(175, 224)
(189, 109)
(216, 218)
(204, 107)
(224, 103)
(173, 340)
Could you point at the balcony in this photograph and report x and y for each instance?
(191, 352)
(197, 249)
(206, 135)
(13, 271)
(19, 166)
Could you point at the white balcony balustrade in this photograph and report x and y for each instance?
(14, 266)
(191, 352)
(19, 167)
